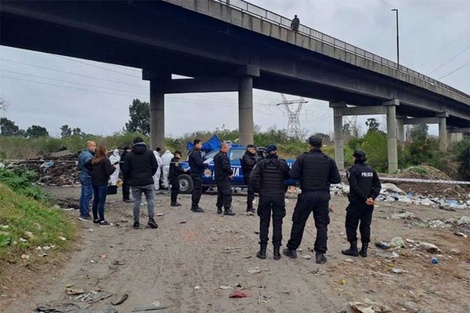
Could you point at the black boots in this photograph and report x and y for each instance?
(276, 253)
(175, 204)
(290, 253)
(262, 252)
(363, 251)
(352, 251)
(229, 212)
(320, 258)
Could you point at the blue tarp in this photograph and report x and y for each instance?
(211, 145)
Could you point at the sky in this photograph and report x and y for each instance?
(52, 90)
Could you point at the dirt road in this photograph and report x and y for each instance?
(184, 262)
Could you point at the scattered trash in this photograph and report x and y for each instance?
(117, 262)
(62, 238)
(150, 307)
(343, 281)
(349, 260)
(434, 261)
(160, 214)
(404, 215)
(397, 242)
(429, 247)
(387, 255)
(237, 294)
(225, 287)
(254, 270)
(460, 234)
(59, 308)
(366, 307)
(397, 270)
(446, 208)
(110, 309)
(197, 287)
(464, 220)
(455, 251)
(72, 292)
(382, 245)
(306, 257)
(25, 256)
(119, 299)
(183, 222)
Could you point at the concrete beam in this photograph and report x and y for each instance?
(248, 70)
(458, 130)
(206, 84)
(369, 110)
(421, 120)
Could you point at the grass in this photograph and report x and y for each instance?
(26, 224)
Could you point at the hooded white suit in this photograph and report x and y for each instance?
(156, 177)
(166, 158)
(115, 158)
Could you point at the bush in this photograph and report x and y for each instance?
(21, 181)
(376, 147)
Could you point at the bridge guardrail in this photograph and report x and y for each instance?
(284, 22)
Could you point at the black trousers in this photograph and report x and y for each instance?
(355, 213)
(307, 202)
(125, 188)
(267, 205)
(197, 190)
(250, 198)
(175, 190)
(224, 194)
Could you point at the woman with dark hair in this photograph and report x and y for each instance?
(101, 170)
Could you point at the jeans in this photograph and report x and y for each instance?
(316, 201)
(86, 194)
(99, 198)
(149, 196)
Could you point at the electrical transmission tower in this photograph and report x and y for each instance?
(293, 124)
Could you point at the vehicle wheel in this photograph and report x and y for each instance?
(186, 183)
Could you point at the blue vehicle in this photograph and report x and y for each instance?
(235, 155)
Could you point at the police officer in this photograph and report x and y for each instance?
(197, 166)
(175, 171)
(268, 178)
(248, 162)
(364, 187)
(223, 175)
(315, 172)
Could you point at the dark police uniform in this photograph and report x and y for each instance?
(248, 162)
(197, 168)
(363, 183)
(223, 171)
(175, 171)
(268, 178)
(315, 172)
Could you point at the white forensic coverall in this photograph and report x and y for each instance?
(166, 158)
(115, 158)
(156, 177)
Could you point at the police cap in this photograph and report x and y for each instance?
(315, 141)
(271, 148)
(358, 153)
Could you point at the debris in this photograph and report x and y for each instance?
(349, 260)
(59, 308)
(446, 208)
(103, 256)
(366, 307)
(150, 307)
(404, 215)
(159, 214)
(197, 287)
(464, 220)
(382, 245)
(117, 262)
(306, 257)
(62, 238)
(25, 256)
(72, 292)
(397, 270)
(391, 188)
(183, 222)
(434, 261)
(397, 242)
(225, 287)
(110, 309)
(387, 255)
(254, 270)
(455, 251)
(343, 281)
(237, 294)
(460, 234)
(119, 299)
(429, 247)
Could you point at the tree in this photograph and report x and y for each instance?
(324, 137)
(419, 132)
(139, 114)
(78, 132)
(3, 105)
(65, 131)
(9, 128)
(36, 131)
(372, 124)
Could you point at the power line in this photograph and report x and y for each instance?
(71, 73)
(456, 70)
(116, 65)
(101, 67)
(448, 61)
(388, 4)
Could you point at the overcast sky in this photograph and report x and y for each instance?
(50, 90)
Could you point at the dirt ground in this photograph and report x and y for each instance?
(184, 262)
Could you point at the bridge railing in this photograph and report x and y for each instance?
(329, 40)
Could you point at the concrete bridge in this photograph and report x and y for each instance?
(233, 45)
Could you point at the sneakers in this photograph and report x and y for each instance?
(84, 218)
(128, 201)
(105, 224)
(197, 210)
(175, 204)
(136, 225)
(96, 221)
(290, 253)
(152, 223)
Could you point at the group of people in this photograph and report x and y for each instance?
(266, 177)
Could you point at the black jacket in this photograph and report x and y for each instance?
(268, 176)
(222, 166)
(196, 162)
(140, 165)
(100, 172)
(315, 171)
(363, 183)
(248, 162)
(122, 161)
(175, 170)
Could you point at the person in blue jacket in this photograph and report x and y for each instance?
(85, 180)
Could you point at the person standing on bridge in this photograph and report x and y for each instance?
(85, 180)
(315, 172)
(140, 165)
(268, 178)
(364, 187)
(248, 162)
(197, 166)
(295, 24)
(223, 175)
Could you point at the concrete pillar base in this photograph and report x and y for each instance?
(392, 135)
(443, 131)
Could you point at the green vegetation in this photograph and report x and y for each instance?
(22, 182)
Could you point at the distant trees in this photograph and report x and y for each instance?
(36, 131)
(66, 131)
(139, 117)
(9, 128)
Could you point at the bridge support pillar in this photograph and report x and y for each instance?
(158, 84)
(338, 132)
(392, 135)
(245, 103)
(442, 131)
(401, 130)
